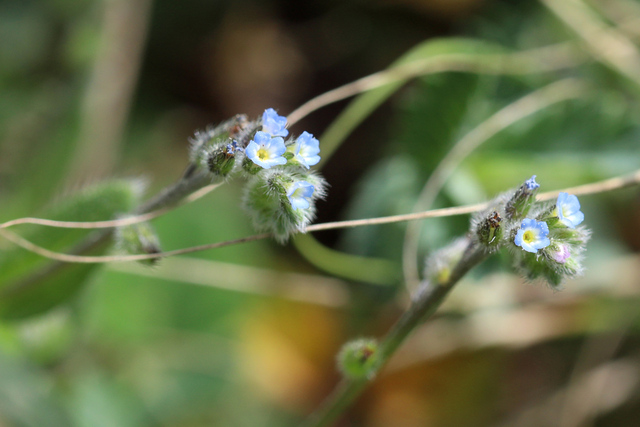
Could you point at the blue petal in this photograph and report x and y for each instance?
(299, 194)
(531, 183)
(569, 204)
(274, 124)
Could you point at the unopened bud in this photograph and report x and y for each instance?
(222, 159)
(138, 239)
(520, 203)
(490, 231)
(237, 129)
(358, 358)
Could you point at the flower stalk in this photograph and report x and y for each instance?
(425, 303)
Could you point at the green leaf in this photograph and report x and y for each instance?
(28, 283)
(376, 271)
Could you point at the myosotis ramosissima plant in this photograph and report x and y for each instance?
(545, 241)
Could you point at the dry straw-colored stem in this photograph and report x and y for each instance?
(130, 220)
(604, 42)
(592, 188)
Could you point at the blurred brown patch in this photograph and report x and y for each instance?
(252, 61)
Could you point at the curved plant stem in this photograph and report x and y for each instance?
(429, 298)
(591, 188)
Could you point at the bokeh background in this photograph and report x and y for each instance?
(247, 335)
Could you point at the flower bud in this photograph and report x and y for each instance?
(489, 230)
(358, 358)
(520, 203)
(138, 239)
(237, 129)
(222, 159)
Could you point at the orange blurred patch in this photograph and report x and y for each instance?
(287, 352)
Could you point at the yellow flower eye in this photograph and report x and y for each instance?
(528, 236)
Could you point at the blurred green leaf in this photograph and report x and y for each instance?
(360, 108)
(26, 396)
(27, 286)
(362, 269)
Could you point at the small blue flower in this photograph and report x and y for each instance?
(266, 151)
(299, 194)
(531, 183)
(273, 124)
(532, 235)
(568, 210)
(233, 147)
(306, 149)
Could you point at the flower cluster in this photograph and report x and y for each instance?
(268, 147)
(281, 190)
(546, 240)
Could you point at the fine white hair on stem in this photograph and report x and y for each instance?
(592, 188)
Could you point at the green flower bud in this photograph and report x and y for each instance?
(237, 129)
(490, 231)
(138, 239)
(358, 358)
(222, 159)
(520, 203)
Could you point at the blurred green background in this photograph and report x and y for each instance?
(246, 335)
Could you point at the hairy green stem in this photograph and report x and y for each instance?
(191, 181)
(424, 304)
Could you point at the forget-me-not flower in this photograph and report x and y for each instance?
(299, 194)
(305, 150)
(531, 183)
(532, 235)
(266, 151)
(232, 148)
(568, 210)
(273, 124)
